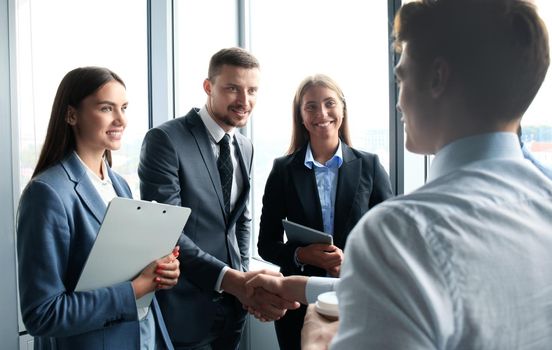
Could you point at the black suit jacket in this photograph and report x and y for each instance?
(177, 166)
(291, 193)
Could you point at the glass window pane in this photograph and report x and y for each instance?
(347, 40)
(56, 36)
(196, 40)
(52, 38)
(414, 164)
(537, 121)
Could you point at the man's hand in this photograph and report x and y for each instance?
(267, 305)
(318, 331)
(326, 256)
(290, 288)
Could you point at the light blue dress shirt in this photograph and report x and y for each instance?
(326, 181)
(529, 156)
(461, 263)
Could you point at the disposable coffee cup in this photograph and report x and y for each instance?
(327, 305)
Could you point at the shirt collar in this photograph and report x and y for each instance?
(215, 131)
(470, 149)
(92, 175)
(334, 162)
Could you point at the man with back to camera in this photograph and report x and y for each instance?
(464, 261)
(200, 161)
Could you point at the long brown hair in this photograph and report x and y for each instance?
(74, 87)
(300, 135)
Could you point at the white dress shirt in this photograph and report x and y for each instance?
(216, 133)
(464, 262)
(107, 193)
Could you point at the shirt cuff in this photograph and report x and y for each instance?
(318, 285)
(219, 279)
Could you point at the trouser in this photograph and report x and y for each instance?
(226, 331)
(288, 329)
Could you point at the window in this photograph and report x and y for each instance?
(199, 33)
(537, 121)
(347, 40)
(53, 37)
(415, 165)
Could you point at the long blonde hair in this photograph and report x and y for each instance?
(300, 135)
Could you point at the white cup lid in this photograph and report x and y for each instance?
(327, 304)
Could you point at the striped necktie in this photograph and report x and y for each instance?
(225, 168)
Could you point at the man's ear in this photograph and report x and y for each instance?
(207, 86)
(71, 116)
(440, 74)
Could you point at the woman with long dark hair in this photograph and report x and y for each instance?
(59, 215)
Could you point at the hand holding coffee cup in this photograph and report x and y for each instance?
(327, 305)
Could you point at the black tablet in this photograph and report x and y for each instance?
(305, 235)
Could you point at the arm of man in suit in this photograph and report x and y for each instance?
(159, 181)
(243, 224)
(243, 234)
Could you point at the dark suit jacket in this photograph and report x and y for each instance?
(59, 216)
(177, 166)
(291, 193)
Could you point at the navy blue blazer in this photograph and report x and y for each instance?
(178, 167)
(291, 193)
(59, 215)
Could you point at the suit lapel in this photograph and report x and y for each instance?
(84, 188)
(304, 181)
(347, 184)
(199, 132)
(120, 189)
(234, 249)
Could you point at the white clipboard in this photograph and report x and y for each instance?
(133, 234)
(300, 234)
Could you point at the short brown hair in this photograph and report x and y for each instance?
(300, 135)
(233, 56)
(498, 50)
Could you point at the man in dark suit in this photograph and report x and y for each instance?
(200, 161)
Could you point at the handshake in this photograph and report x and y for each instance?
(266, 294)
